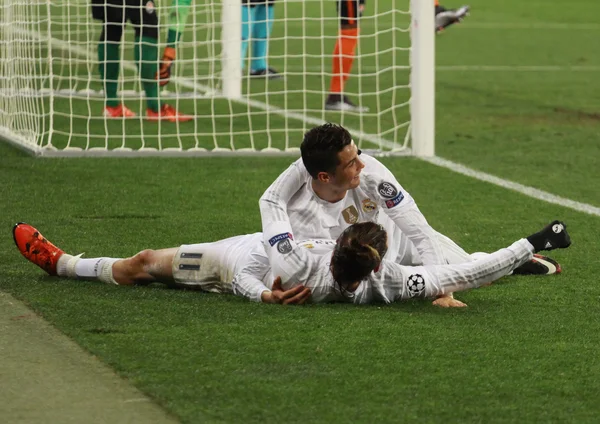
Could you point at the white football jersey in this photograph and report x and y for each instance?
(392, 282)
(378, 198)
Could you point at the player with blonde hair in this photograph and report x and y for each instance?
(352, 269)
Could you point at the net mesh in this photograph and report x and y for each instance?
(53, 98)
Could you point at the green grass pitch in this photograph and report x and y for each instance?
(516, 88)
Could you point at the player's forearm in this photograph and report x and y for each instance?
(178, 14)
(473, 274)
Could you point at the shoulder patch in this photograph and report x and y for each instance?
(395, 201)
(387, 190)
(283, 236)
(284, 246)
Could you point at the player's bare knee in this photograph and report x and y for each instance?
(143, 260)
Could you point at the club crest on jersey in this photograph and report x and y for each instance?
(368, 205)
(395, 201)
(415, 285)
(387, 190)
(283, 236)
(350, 215)
(284, 246)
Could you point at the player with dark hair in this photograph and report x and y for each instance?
(334, 186)
(142, 15)
(350, 12)
(257, 25)
(354, 272)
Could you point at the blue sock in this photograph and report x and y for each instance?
(247, 19)
(263, 25)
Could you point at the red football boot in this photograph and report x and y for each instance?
(167, 113)
(36, 248)
(119, 111)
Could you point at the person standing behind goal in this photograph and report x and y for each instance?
(257, 25)
(350, 12)
(142, 15)
(178, 15)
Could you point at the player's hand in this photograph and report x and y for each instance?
(296, 296)
(164, 72)
(448, 301)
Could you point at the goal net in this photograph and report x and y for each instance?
(52, 97)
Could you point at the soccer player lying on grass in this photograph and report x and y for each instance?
(353, 272)
(334, 186)
(361, 275)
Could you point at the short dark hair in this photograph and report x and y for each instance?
(358, 251)
(320, 148)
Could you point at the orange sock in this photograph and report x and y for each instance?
(343, 57)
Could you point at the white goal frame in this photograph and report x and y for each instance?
(421, 128)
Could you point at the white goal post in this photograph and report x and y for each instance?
(52, 97)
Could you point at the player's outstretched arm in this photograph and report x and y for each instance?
(394, 282)
(450, 278)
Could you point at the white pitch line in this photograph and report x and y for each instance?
(519, 68)
(469, 23)
(370, 68)
(444, 163)
(510, 185)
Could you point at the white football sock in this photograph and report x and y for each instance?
(61, 265)
(94, 268)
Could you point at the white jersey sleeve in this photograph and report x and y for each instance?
(398, 204)
(295, 264)
(249, 282)
(273, 203)
(287, 259)
(394, 282)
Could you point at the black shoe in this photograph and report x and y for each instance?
(343, 103)
(553, 236)
(446, 17)
(539, 265)
(266, 73)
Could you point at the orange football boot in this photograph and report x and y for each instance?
(119, 111)
(36, 248)
(167, 113)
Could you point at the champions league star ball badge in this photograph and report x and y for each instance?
(415, 284)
